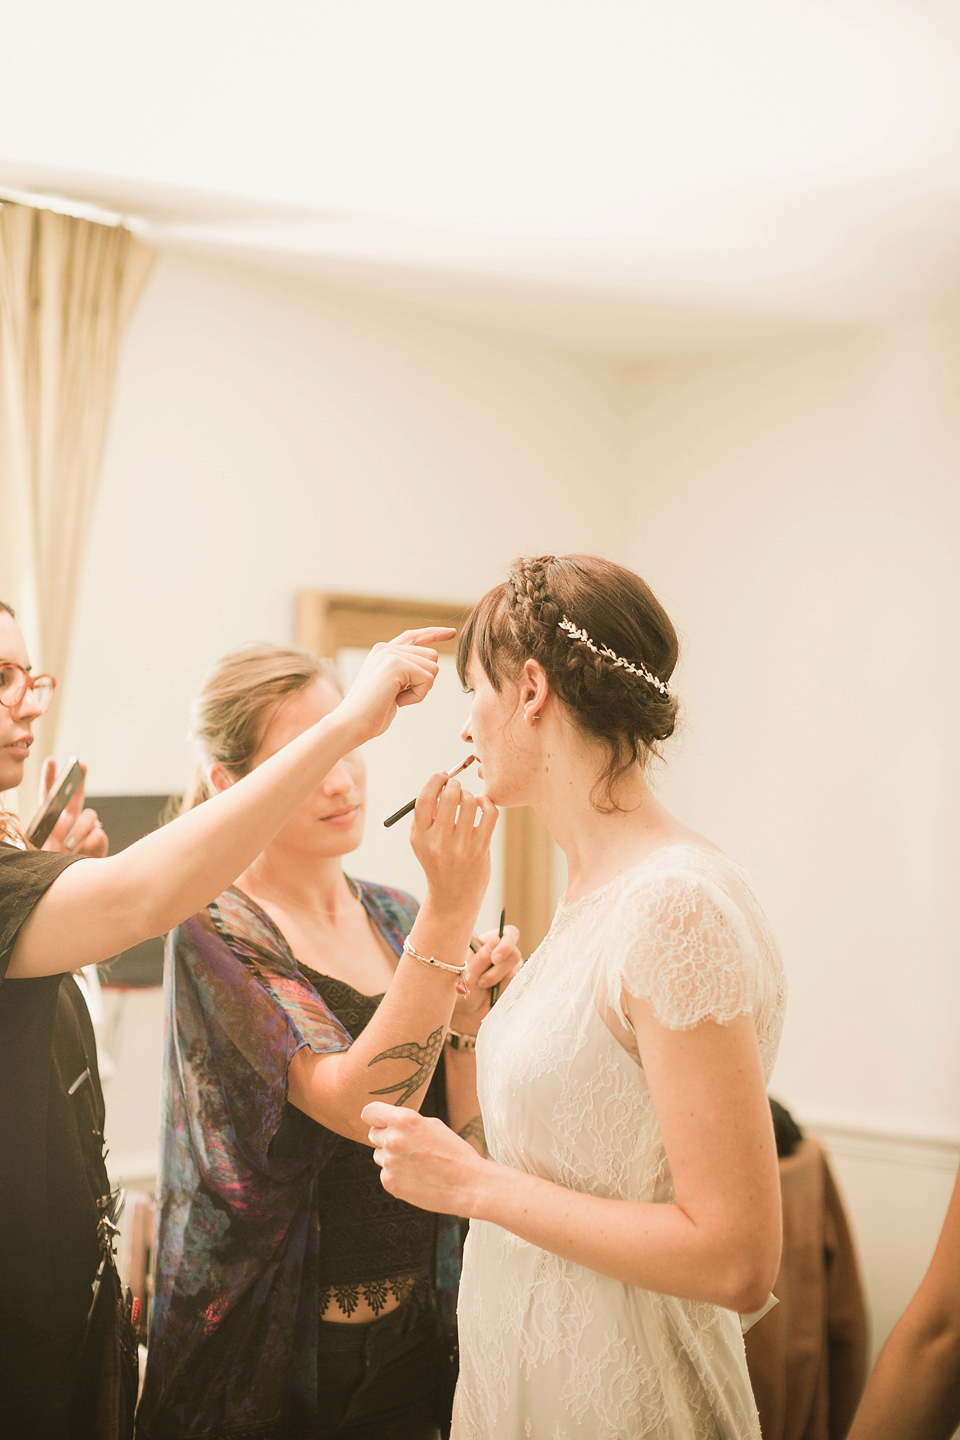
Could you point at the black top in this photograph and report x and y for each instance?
(51, 1153)
(373, 1244)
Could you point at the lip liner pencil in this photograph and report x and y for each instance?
(495, 989)
(405, 809)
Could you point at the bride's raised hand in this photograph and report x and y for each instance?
(398, 672)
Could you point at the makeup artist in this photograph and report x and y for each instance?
(57, 915)
(293, 1296)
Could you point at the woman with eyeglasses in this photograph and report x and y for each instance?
(57, 916)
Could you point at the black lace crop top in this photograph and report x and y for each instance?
(371, 1244)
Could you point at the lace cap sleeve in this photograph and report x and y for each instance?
(684, 947)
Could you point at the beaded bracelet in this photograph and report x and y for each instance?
(458, 970)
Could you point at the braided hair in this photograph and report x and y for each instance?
(618, 612)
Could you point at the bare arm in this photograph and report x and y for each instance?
(719, 1242)
(914, 1391)
(96, 909)
(396, 1054)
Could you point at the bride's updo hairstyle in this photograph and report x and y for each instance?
(627, 706)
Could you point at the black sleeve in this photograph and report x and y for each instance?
(25, 877)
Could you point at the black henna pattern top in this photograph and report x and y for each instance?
(373, 1245)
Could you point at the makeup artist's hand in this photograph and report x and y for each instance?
(400, 672)
(78, 831)
(495, 962)
(423, 1162)
(450, 835)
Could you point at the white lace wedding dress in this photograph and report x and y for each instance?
(548, 1349)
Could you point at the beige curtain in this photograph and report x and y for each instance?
(67, 288)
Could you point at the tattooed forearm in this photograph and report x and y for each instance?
(473, 1131)
(425, 1057)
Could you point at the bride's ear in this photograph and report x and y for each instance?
(534, 690)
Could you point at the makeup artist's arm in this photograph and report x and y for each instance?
(97, 908)
(719, 1241)
(396, 1054)
(495, 962)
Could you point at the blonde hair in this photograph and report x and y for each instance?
(239, 699)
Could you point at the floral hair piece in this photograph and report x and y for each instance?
(577, 634)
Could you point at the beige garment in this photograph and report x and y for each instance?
(67, 288)
(550, 1350)
(808, 1357)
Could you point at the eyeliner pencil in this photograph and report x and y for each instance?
(405, 809)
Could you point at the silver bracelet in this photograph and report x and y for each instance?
(458, 970)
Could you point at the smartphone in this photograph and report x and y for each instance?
(62, 791)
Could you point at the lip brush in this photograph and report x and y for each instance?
(405, 809)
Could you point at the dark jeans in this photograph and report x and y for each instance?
(379, 1381)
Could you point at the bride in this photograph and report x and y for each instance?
(630, 1204)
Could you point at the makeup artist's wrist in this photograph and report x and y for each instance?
(443, 930)
(349, 729)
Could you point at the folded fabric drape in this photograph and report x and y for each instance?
(67, 289)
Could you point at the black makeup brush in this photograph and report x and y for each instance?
(405, 809)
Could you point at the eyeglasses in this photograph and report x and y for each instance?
(15, 682)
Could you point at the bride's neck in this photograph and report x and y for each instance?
(602, 830)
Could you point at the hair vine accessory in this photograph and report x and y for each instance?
(576, 633)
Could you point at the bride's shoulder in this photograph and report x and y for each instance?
(680, 869)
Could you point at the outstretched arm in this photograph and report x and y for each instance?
(720, 1240)
(95, 910)
(914, 1392)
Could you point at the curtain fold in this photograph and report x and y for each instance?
(67, 289)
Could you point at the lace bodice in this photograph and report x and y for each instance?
(564, 1096)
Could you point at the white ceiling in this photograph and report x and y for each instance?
(635, 177)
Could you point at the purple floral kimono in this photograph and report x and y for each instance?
(234, 1326)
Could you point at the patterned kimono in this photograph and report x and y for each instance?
(233, 1333)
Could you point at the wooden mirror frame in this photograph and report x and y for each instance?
(327, 622)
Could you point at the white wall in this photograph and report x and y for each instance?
(798, 510)
(267, 436)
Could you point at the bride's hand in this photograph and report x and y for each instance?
(399, 672)
(423, 1162)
